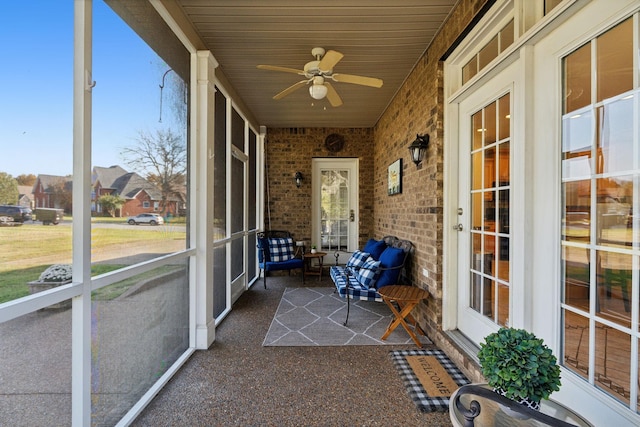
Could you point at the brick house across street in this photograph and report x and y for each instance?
(52, 191)
(141, 196)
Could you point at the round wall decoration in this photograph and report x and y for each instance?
(334, 142)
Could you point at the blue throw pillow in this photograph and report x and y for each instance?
(368, 273)
(357, 259)
(281, 249)
(375, 248)
(390, 258)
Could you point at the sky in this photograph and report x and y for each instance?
(36, 99)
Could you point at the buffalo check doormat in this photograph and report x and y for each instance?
(429, 376)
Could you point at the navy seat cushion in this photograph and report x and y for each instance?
(375, 248)
(390, 258)
(263, 243)
(282, 265)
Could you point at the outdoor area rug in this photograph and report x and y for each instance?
(315, 317)
(429, 376)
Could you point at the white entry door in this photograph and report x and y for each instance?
(485, 241)
(334, 207)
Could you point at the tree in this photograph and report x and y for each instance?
(25, 179)
(111, 202)
(163, 157)
(8, 189)
(60, 192)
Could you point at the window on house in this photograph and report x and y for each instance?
(601, 212)
(146, 204)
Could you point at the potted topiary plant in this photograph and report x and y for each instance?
(313, 249)
(519, 366)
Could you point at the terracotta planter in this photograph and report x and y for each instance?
(37, 286)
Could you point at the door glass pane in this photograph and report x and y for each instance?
(334, 214)
(503, 305)
(576, 343)
(576, 220)
(476, 170)
(504, 117)
(490, 124)
(488, 53)
(613, 211)
(577, 79)
(506, 36)
(470, 69)
(615, 136)
(612, 368)
(490, 171)
(577, 142)
(476, 128)
(489, 168)
(614, 273)
(615, 61)
(576, 273)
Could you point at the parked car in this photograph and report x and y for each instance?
(49, 215)
(18, 213)
(146, 218)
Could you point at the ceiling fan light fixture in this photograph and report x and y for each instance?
(318, 91)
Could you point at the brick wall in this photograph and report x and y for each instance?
(416, 214)
(291, 149)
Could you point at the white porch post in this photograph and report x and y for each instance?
(81, 308)
(202, 199)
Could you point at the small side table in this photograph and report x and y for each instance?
(307, 270)
(407, 297)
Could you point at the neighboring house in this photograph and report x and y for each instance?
(25, 196)
(53, 191)
(140, 195)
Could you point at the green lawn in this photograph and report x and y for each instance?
(27, 250)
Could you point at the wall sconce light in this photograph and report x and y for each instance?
(298, 178)
(418, 148)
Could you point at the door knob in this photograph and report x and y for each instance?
(457, 227)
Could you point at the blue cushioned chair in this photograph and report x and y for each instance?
(394, 260)
(274, 254)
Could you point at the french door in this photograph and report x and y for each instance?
(334, 206)
(484, 199)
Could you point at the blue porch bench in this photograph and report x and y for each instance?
(380, 263)
(276, 252)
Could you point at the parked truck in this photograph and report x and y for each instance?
(49, 215)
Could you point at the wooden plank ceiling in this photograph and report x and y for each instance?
(379, 38)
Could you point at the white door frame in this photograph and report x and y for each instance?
(352, 165)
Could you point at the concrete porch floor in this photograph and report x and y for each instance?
(238, 382)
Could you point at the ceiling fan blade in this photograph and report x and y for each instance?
(329, 60)
(290, 89)
(285, 69)
(358, 80)
(332, 96)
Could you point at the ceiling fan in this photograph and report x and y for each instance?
(316, 74)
